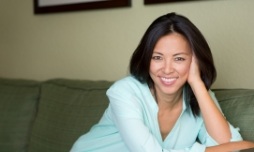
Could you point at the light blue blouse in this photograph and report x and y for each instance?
(130, 124)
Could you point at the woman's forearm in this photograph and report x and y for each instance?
(216, 125)
(231, 146)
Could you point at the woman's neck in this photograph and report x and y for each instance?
(166, 101)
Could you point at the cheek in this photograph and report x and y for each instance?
(184, 70)
(154, 67)
(151, 68)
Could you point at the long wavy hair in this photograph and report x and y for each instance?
(164, 25)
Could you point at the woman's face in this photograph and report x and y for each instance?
(170, 63)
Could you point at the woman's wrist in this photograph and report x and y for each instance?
(197, 85)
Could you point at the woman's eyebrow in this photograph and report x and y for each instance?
(157, 53)
(182, 53)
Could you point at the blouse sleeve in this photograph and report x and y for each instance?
(207, 140)
(126, 113)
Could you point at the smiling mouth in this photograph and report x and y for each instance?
(168, 80)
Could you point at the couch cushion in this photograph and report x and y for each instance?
(18, 101)
(67, 109)
(238, 107)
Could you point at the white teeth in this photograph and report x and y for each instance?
(168, 79)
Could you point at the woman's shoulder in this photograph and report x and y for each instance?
(128, 83)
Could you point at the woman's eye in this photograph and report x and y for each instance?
(179, 59)
(156, 58)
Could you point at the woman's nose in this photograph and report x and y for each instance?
(168, 67)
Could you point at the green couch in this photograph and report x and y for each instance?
(49, 116)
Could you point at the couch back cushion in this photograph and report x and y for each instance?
(67, 109)
(18, 101)
(238, 107)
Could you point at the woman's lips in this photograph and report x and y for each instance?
(168, 81)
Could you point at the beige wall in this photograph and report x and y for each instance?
(97, 44)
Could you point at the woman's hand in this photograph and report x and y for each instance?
(194, 72)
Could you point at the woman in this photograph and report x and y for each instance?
(165, 104)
